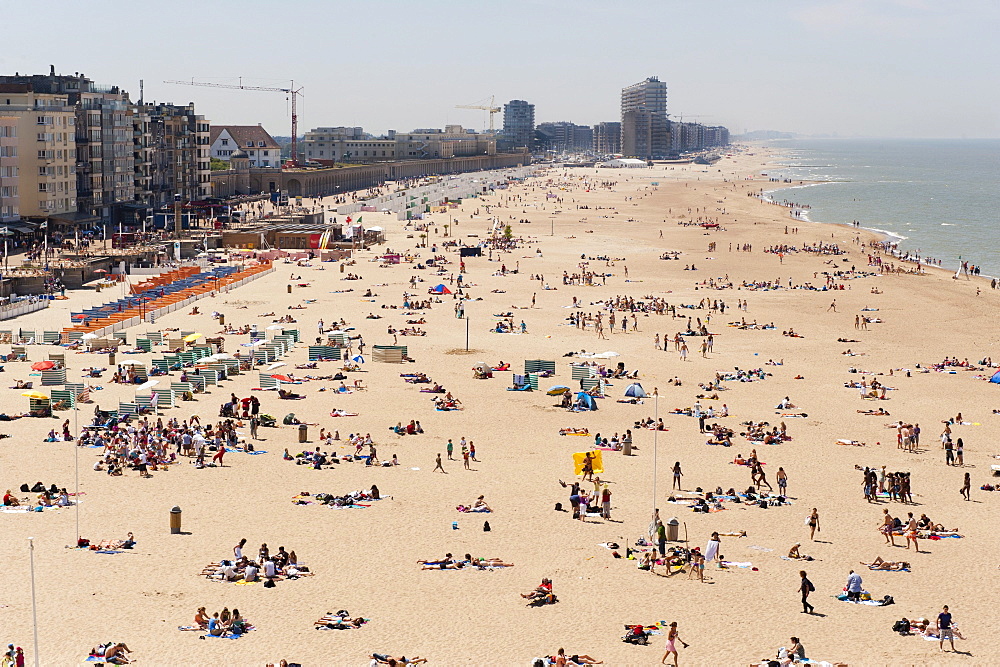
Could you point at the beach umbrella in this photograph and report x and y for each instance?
(88, 336)
(358, 359)
(132, 362)
(557, 390)
(190, 338)
(42, 365)
(606, 355)
(635, 390)
(79, 316)
(35, 394)
(283, 378)
(481, 366)
(277, 364)
(148, 384)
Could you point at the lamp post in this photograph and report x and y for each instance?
(34, 606)
(76, 464)
(656, 431)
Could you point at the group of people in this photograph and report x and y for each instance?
(266, 566)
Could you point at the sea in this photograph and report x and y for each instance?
(939, 198)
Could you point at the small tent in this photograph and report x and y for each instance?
(635, 390)
(585, 401)
(440, 289)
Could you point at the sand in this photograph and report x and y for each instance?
(365, 560)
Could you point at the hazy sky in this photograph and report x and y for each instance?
(889, 68)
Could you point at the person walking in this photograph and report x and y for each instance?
(806, 587)
(813, 523)
(944, 629)
(672, 638)
(886, 527)
(854, 586)
(966, 487)
(437, 465)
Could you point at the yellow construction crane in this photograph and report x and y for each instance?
(491, 109)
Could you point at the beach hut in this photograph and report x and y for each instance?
(635, 390)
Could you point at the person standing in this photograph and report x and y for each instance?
(451, 449)
(465, 458)
(437, 465)
(677, 476)
(672, 637)
(959, 452)
(949, 452)
(806, 587)
(966, 487)
(911, 532)
(661, 539)
(944, 629)
(854, 586)
(887, 526)
(782, 481)
(813, 523)
(606, 502)
(472, 451)
(712, 548)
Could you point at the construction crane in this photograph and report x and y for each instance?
(691, 116)
(291, 90)
(491, 109)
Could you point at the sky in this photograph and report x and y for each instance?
(878, 68)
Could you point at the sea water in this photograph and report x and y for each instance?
(938, 197)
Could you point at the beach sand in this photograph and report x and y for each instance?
(364, 560)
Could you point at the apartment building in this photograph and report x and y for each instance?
(565, 137)
(519, 124)
(179, 146)
(10, 208)
(37, 153)
(645, 129)
(608, 138)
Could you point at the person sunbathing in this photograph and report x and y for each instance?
(290, 395)
(392, 661)
(339, 622)
(880, 564)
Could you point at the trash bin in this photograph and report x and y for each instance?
(111, 359)
(175, 520)
(627, 447)
(673, 526)
(289, 289)
(222, 320)
(342, 266)
(303, 433)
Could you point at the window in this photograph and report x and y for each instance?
(43, 187)
(225, 142)
(264, 153)
(260, 144)
(249, 144)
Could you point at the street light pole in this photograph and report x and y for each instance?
(656, 431)
(34, 606)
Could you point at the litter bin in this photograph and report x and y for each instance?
(222, 320)
(175, 520)
(303, 433)
(627, 447)
(289, 289)
(673, 526)
(111, 359)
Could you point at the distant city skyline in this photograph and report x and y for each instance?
(881, 68)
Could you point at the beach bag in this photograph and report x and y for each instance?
(559, 507)
(887, 600)
(269, 583)
(486, 527)
(763, 504)
(811, 587)
(25, 489)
